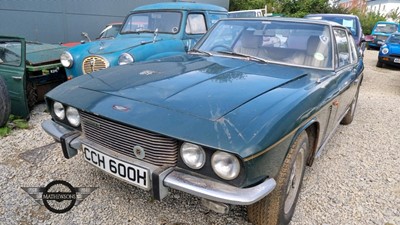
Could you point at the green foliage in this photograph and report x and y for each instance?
(13, 122)
(368, 20)
(236, 5)
(394, 14)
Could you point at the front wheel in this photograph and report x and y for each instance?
(379, 64)
(278, 207)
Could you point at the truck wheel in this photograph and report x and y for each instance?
(278, 207)
(5, 103)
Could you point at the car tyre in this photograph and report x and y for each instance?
(348, 118)
(379, 64)
(5, 103)
(278, 207)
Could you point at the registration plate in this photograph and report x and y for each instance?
(396, 60)
(132, 174)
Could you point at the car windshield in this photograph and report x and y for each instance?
(163, 22)
(302, 44)
(394, 39)
(110, 31)
(385, 28)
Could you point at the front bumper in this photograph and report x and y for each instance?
(164, 178)
(394, 61)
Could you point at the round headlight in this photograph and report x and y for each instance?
(125, 58)
(193, 155)
(73, 116)
(385, 50)
(225, 165)
(66, 59)
(59, 110)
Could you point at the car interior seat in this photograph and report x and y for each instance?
(316, 53)
(249, 43)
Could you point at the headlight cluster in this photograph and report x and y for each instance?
(66, 59)
(385, 50)
(225, 165)
(125, 58)
(61, 112)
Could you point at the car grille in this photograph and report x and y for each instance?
(159, 150)
(381, 37)
(94, 63)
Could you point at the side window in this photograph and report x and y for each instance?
(196, 24)
(10, 53)
(342, 46)
(353, 50)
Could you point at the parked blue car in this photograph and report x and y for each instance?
(234, 122)
(149, 32)
(389, 53)
(352, 22)
(381, 31)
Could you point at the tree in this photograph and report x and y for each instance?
(394, 14)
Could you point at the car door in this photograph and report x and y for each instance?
(195, 28)
(347, 59)
(12, 69)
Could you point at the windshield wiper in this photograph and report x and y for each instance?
(137, 31)
(248, 57)
(201, 52)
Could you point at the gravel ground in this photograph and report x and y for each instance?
(355, 180)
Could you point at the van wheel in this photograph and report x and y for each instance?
(5, 103)
(278, 207)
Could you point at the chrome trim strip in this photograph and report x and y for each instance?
(217, 191)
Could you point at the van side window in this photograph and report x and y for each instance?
(196, 24)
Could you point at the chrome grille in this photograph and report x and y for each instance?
(94, 63)
(159, 150)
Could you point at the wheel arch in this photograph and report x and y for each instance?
(312, 128)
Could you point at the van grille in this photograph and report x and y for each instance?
(94, 63)
(159, 150)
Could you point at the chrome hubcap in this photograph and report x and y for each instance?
(294, 179)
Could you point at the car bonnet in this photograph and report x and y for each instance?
(202, 87)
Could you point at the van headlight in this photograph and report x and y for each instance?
(125, 58)
(73, 116)
(66, 59)
(193, 155)
(59, 110)
(225, 165)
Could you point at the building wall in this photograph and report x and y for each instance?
(382, 6)
(55, 21)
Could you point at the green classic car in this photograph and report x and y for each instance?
(27, 71)
(234, 122)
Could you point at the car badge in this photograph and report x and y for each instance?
(139, 152)
(120, 108)
(148, 72)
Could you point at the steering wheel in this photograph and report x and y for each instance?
(221, 47)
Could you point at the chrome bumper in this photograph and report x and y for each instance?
(195, 185)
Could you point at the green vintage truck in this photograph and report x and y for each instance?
(27, 71)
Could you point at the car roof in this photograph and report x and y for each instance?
(333, 15)
(180, 6)
(387, 22)
(291, 19)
